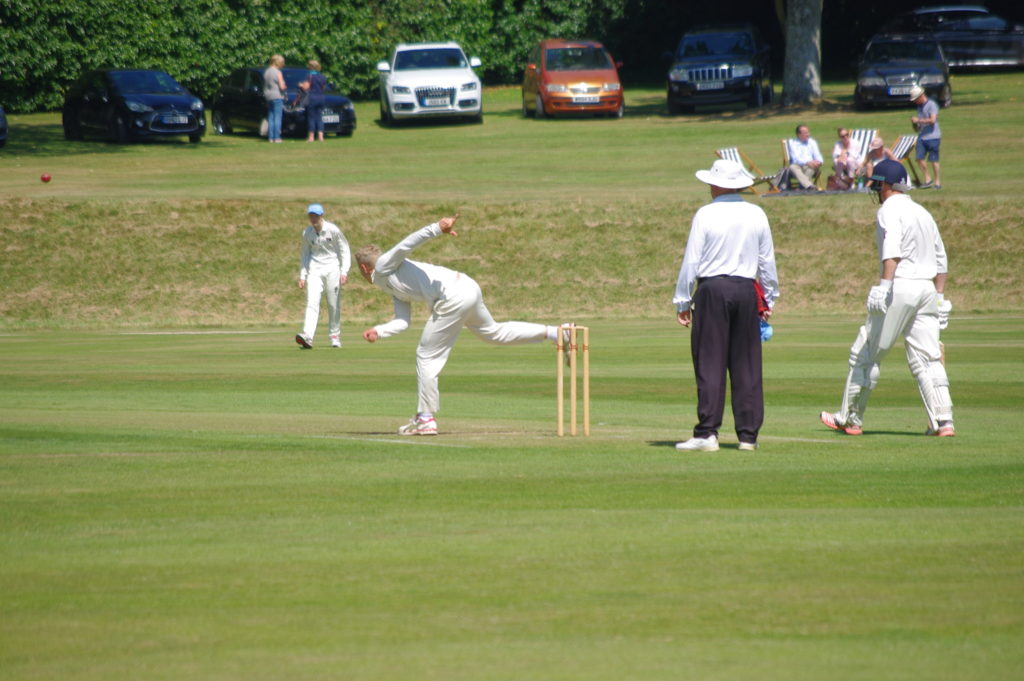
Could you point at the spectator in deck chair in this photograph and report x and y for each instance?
(846, 159)
(804, 158)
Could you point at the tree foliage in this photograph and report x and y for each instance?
(46, 44)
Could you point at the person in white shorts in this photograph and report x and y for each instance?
(454, 299)
(324, 265)
(909, 301)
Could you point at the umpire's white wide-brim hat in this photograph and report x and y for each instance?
(726, 174)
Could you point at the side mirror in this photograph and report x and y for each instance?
(474, 62)
(383, 67)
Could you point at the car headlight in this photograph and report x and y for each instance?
(612, 87)
(555, 87)
(931, 79)
(400, 90)
(197, 104)
(742, 70)
(871, 81)
(679, 74)
(468, 87)
(137, 107)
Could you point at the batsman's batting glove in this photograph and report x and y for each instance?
(945, 307)
(878, 297)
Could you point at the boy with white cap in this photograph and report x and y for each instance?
(729, 249)
(454, 299)
(323, 269)
(908, 301)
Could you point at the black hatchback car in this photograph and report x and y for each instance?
(239, 105)
(3, 127)
(893, 64)
(720, 64)
(970, 35)
(129, 104)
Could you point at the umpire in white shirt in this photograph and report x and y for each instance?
(908, 301)
(323, 269)
(729, 248)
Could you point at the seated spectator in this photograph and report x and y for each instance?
(846, 159)
(804, 158)
(877, 151)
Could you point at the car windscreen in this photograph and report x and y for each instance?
(715, 45)
(430, 58)
(890, 53)
(576, 59)
(145, 82)
(292, 78)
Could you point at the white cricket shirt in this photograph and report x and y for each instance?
(728, 237)
(907, 231)
(326, 250)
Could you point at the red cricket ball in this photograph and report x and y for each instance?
(45, 177)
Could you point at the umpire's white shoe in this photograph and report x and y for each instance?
(699, 444)
(747, 446)
(419, 426)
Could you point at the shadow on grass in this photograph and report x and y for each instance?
(49, 141)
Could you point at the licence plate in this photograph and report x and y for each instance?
(176, 120)
(435, 101)
(331, 118)
(586, 99)
(902, 90)
(711, 85)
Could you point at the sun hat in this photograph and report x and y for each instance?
(726, 174)
(877, 143)
(315, 209)
(916, 92)
(893, 173)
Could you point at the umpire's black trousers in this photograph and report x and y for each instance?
(726, 335)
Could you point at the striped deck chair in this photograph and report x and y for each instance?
(901, 150)
(861, 139)
(734, 154)
(785, 164)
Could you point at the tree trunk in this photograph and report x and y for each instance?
(801, 78)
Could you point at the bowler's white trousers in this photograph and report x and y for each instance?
(463, 305)
(323, 281)
(912, 313)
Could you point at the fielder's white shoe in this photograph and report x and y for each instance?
(305, 341)
(699, 444)
(834, 422)
(419, 426)
(335, 340)
(945, 429)
(747, 446)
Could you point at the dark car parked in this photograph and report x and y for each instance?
(3, 127)
(970, 35)
(720, 65)
(893, 64)
(239, 105)
(129, 104)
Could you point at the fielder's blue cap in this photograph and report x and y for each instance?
(315, 208)
(891, 172)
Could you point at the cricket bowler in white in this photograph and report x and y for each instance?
(454, 299)
(908, 301)
(324, 264)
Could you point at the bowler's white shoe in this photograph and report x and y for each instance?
(335, 340)
(305, 341)
(699, 444)
(747, 446)
(945, 429)
(419, 426)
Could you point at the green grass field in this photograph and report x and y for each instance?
(186, 494)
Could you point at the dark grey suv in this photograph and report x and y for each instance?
(970, 35)
(720, 64)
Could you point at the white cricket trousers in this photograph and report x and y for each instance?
(323, 282)
(913, 313)
(462, 306)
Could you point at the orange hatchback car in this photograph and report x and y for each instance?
(571, 77)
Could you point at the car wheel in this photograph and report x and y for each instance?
(119, 130)
(385, 112)
(345, 132)
(858, 102)
(220, 123)
(621, 111)
(538, 108)
(526, 110)
(757, 96)
(265, 127)
(195, 138)
(947, 97)
(72, 129)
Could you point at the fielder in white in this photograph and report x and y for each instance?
(454, 299)
(324, 265)
(908, 302)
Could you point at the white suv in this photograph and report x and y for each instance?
(427, 80)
